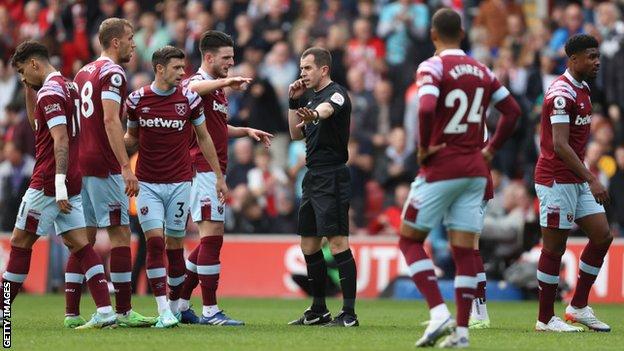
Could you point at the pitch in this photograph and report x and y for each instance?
(37, 324)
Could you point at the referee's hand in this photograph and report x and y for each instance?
(296, 89)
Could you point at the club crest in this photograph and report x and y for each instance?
(180, 109)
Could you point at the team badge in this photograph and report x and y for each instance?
(570, 217)
(220, 209)
(338, 99)
(144, 210)
(180, 109)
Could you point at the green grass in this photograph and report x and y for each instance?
(385, 325)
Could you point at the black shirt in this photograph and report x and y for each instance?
(327, 139)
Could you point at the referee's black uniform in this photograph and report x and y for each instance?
(327, 184)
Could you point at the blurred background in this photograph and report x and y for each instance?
(376, 46)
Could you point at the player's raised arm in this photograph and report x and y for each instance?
(210, 153)
(205, 87)
(255, 134)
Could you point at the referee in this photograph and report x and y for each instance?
(320, 112)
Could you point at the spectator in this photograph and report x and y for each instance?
(260, 109)
(504, 231)
(611, 29)
(242, 163)
(573, 24)
(149, 38)
(286, 220)
(616, 191)
(362, 102)
(280, 70)
(30, 28)
(9, 84)
(265, 180)
(401, 24)
(296, 166)
(360, 165)
(593, 157)
(366, 10)
(397, 164)
(15, 173)
(273, 26)
(493, 15)
(366, 53)
(389, 221)
(223, 20)
(253, 220)
(245, 35)
(18, 128)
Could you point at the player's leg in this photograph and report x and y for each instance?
(557, 204)
(592, 219)
(176, 204)
(71, 226)
(152, 219)
(423, 210)
(77, 242)
(464, 221)
(110, 205)
(479, 318)
(74, 276)
(201, 213)
(34, 218)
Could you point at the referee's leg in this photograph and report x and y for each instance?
(339, 246)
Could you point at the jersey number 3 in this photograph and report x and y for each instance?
(455, 125)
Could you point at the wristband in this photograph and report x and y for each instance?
(60, 188)
(294, 104)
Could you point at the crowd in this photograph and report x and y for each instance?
(376, 47)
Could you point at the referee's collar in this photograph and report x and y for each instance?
(323, 88)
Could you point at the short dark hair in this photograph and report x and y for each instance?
(28, 50)
(212, 40)
(579, 43)
(322, 57)
(112, 28)
(447, 23)
(163, 55)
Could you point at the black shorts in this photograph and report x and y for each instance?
(324, 209)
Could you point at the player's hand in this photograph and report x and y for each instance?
(222, 190)
(424, 153)
(238, 83)
(488, 155)
(132, 183)
(306, 115)
(296, 89)
(261, 136)
(599, 191)
(65, 206)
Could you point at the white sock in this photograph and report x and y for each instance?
(439, 312)
(124, 314)
(162, 303)
(209, 311)
(174, 305)
(478, 310)
(183, 305)
(105, 310)
(461, 332)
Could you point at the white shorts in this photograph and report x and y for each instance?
(105, 201)
(482, 214)
(164, 206)
(562, 204)
(37, 212)
(458, 202)
(205, 205)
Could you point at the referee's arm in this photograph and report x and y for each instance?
(293, 120)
